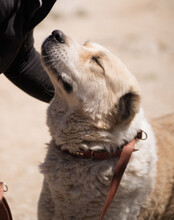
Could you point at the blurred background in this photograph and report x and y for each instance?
(141, 33)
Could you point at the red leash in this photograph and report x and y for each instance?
(119, 171)
(5, 213)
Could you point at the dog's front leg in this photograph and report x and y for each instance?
(45, 204)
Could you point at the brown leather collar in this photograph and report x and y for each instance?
(101, 154)
(95, 155)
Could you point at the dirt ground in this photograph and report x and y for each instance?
(141, 33)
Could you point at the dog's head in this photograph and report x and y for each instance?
(91, 84)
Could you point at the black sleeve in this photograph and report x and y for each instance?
(6, 8)
(41, 13)
(27, 73)
(18, 59)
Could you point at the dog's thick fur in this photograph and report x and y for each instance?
(97, 106)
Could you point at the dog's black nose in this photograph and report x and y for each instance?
(59, 36)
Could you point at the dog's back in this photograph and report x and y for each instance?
(161, 205)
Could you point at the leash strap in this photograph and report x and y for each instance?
(119, 171)
(5, 213)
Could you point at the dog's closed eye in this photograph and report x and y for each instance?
(96, 60)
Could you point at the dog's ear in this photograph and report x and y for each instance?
(127, 107)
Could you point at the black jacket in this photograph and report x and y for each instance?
(18, 59)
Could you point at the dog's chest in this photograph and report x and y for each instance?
(79, 178)
(79, 187)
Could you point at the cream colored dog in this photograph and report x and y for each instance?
(96, 107)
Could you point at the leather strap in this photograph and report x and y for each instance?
(103, 154)
(5, 213)
(95, 155)
(119, 171)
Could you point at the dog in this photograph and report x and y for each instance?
(97, 108)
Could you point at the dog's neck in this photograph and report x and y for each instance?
(65, 132)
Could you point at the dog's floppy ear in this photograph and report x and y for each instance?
(127, 107)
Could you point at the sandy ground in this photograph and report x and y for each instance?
(141, 33)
